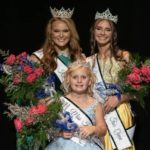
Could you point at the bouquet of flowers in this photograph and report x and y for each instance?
(21, 78)
(135, 78)
(33, 102)
(35, 124)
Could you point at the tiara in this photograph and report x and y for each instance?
(81, 63)
(106, 15)
(62, 13)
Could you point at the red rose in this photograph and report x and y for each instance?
(10, 59)
(33, 110)
(22, 55)
(27, 69)
(16, 80)
(38, 71)
(29, 121)
(31, 78)
(18, 124)
(41, 108)
(145, 73)
(134, 80)
(136, 70)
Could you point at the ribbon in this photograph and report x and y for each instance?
(48, 88)
(65, 122)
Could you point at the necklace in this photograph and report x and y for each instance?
(80, 100)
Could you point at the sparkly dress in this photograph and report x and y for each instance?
(67, 144)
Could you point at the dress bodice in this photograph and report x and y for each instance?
(109, 69)
(90, 111)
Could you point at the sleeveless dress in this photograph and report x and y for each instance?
(67, 144)
(109, 69)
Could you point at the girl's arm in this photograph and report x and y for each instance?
(99, 129)
(66, 134)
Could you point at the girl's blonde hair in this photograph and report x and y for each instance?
(73, 67)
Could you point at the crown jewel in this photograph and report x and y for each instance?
(106, 15)
(62, 13)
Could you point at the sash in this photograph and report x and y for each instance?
(120, 137)
(61, 67)
(38, 54)
(81, 119)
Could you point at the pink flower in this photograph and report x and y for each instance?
(41, 108)
(29, 121)
(33, 110)
(16, 80)
(136, 70)
(22, 55)
(134, 79)
(31, 78)
(145, 73)
(10, 59)
(18, 124)
(27, 69)
(38, 71)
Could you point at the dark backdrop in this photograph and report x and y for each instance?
(22, 28)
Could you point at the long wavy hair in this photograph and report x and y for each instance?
(115, 51)
(49, 52)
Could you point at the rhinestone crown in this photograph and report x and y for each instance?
(62, 13)
(106, 15)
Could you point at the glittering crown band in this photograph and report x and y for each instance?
(80, 63)
(106, 15)
(62, 13)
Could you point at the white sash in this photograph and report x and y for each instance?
(81, 119)
(94, 65)
(61, 67)
(120, 137)
(38, 54)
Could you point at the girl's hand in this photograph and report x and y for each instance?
(111, 103)
(66, 134)
(86, 131)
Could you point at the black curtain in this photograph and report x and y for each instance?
(22, 28)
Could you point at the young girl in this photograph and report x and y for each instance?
(85, 111)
